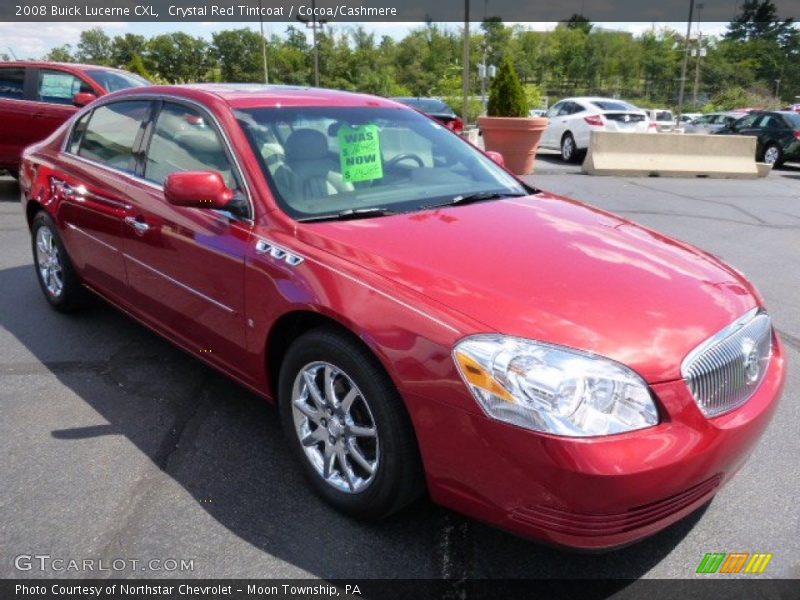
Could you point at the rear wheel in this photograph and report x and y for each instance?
(57, 278)
(348, 426)
(569, 150)
(773, 155)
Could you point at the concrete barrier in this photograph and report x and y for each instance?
(672, 155)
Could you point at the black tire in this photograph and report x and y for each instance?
(569, 151)
(398, 479)
(772, 147)
(72, 295)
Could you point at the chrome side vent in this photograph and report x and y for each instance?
(278, 253)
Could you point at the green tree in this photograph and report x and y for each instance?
(60, 54)
(94, 47)
(239, 53)
(178, 57)
(136, 65)
(507, 96)
(125, 47)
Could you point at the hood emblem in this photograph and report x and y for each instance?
(751, 362)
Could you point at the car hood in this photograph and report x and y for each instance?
(549, 268)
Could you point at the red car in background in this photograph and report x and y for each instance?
(423, 319)
(436, 108)
(37, 97)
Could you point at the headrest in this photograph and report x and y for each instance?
(306, 144)
(201, 142)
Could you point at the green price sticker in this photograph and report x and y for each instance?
(360, 153)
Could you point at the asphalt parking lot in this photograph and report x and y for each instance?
(118, 445)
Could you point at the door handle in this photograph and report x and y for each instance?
(70, 192)
(139, 226)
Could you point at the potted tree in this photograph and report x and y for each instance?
(509, 129)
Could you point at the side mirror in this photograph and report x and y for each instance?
(496, 157)
(83, 98)
(197, 189)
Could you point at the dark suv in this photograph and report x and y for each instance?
(36, 97)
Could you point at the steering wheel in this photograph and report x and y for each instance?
(390, 164)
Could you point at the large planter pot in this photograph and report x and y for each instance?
(517, 139)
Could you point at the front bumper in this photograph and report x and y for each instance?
(590, 493)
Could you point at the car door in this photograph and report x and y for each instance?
(771, 129)
(53, 95)
(549, 139)
(16, 113)
(91, 183)
(186, 265)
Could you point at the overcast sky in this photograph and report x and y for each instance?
(34, 40)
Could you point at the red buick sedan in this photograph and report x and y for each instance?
(424, 320)
(38, 96)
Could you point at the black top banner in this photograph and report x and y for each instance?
(378, 10)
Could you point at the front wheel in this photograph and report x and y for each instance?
(348, 426)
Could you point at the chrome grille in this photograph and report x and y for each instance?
(725, 371)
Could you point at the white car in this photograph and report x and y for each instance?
(572, 121)
(663, 119)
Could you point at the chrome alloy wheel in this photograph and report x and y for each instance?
(568, 148)
(49, 262)
(335, 427)
(772, 155)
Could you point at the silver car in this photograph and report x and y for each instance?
(712, 122)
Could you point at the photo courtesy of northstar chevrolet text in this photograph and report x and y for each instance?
(380, 300)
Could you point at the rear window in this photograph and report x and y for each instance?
(111, 133)
(111, 81)
(663, 115)
(612, 105)
(793, 119)
(12, 82)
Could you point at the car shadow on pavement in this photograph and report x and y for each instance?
(224, 446)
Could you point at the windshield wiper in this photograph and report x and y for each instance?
(477, 197)
(351, 214)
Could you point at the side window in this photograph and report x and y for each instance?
(111, 133)
(703, 120)
(78, 129)
(58, 87)
(12, 82)
(183, 140)
(747, 121)
(769, 122)
(566, 109)
(554, 110)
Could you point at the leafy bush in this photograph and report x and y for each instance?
(739, 97)
(507, 96)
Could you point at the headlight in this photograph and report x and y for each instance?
(553, 389)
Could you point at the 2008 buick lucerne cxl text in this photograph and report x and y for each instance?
(425, 321)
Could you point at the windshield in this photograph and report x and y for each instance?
(612, 105)
(116, 80)
(328, 160)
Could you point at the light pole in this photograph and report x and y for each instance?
(263, 42)
(777, 89)
(685, 58)
(314, 23)
(700, 54)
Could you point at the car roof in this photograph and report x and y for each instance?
(61, 65)
(250, 95)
